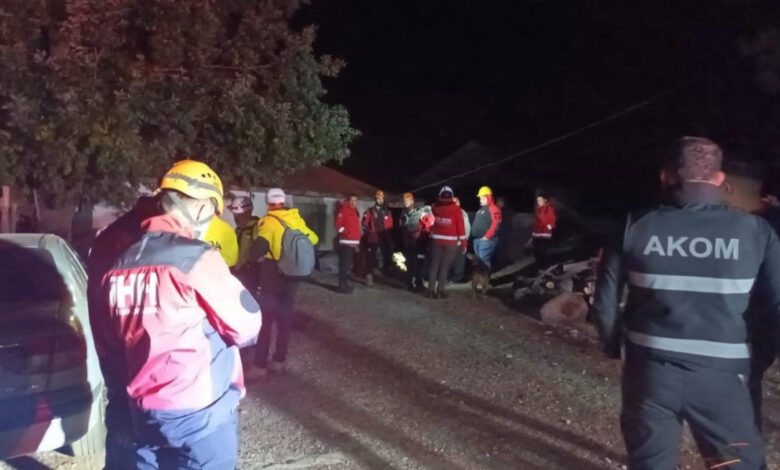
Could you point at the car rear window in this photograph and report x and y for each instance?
(29, 274)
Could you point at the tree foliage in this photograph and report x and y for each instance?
(99, 94)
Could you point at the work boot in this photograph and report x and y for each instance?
(256, 374)
(443, 295)
(346, 289)
(431, 294)
(369, 280)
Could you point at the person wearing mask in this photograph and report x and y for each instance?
(742, 190)
(415, 238)
(485, 228)
(690, 267)
(169, 319)
(377, 226)
(542, 235)
(449, 236)
(458, 269)
(221, 236)
(349, 232)
(277, 291)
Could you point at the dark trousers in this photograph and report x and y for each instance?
(442, 257)
(277, 302)
(762, 358)
(415, 261)
(120, 448)
(217, 451)
(380, 252)
(541, 248)
(346, 262)
(658, 396)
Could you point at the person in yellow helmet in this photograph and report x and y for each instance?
(168, 319)
(484, 230)
(221, 236)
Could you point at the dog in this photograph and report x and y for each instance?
(480, 276)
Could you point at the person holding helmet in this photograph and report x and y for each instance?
(485, 227)
(377, 227)
(449, 235)
(170, 320)
(277, 290)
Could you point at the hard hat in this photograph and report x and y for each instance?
(241, 205)
(275, 196)
(196, 180)
(446, 192)
(485, 191)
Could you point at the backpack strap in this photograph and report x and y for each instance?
(286, 227)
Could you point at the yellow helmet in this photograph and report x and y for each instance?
(196, 180)
(485, 191)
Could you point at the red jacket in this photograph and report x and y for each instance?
(544, 223)
(175, 317)
(376, 220)
(348, 225)
(448, 229)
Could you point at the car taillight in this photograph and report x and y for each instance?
(43, 355)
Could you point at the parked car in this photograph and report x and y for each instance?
(51, 387)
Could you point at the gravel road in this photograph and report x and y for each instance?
(386, 379)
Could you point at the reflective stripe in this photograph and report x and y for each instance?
(445, 237)
(349, 242)
(541, 235)
(691, 346)
(710, 285)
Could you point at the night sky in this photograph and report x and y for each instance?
(425, 77)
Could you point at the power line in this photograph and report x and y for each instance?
(580, 130)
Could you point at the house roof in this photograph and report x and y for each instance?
(322, 180)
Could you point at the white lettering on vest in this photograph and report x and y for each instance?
(698, 247)
(699, 241)
(134, 293)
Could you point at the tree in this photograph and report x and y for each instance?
(98, 95)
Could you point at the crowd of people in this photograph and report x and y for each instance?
(175, 294)
(434, 239)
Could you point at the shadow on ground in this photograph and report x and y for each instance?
(479, 425)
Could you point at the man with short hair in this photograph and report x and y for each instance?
(170, 319)
(690, 268)
(349, 233)
(542, 235)
(277, 291)
(415, 239)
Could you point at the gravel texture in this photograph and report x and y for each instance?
(386, 379)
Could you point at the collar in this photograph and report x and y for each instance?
(699, 193)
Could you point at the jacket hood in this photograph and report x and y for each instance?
(167, 223)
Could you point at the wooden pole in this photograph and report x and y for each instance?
(5, 210)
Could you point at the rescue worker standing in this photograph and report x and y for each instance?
(690, 268)
(172, 318)
(246, 232)
(348, 228)
(377, 226)
(277, 291)
(544, 225)
(484, 230)
(742, 190)
(221, 236)
(449, 236)
(458, 269)
(415, 240)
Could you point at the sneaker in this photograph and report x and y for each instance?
(256, 374)
(277, 367)
(369, 280)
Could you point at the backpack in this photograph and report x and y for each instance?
(297, 257)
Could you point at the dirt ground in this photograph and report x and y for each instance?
(386, 379)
